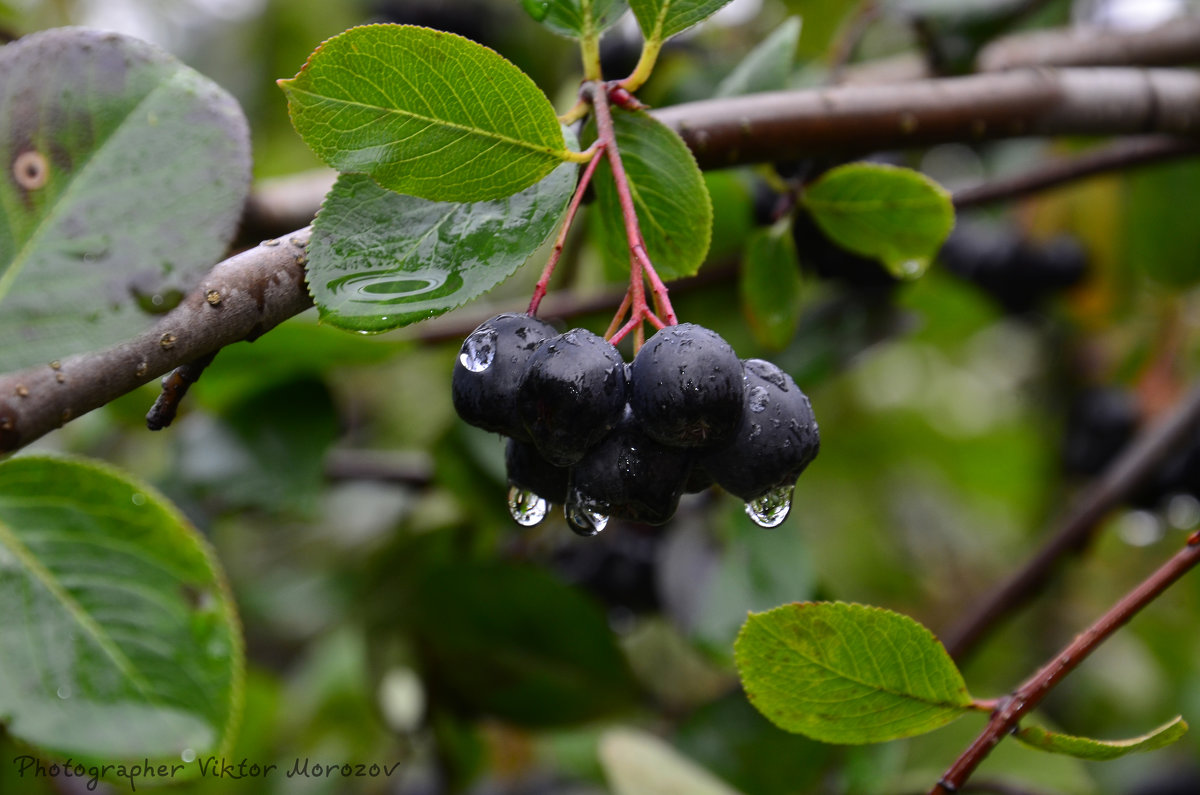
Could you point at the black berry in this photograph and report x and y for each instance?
(686, 388)
(776, 439)
(489, 367)
(572, 393)
(528, 470)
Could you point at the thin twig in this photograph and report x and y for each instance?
(174, 387)
(1121, 155)
(1131, 468)
(1026, 697)
(543, 283)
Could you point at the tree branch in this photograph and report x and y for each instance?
(239, 299)
(1130, 469)
(1175, 43)
(849, 120)
(1026, 697)
(263, 286)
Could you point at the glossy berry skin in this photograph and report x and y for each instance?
(630, 476)
(572, 393)
(776, 438)
(528, 470)
(486, 396)
(686, 387)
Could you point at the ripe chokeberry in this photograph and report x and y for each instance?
(686, 387)
(572, 393)
(776, 438)
(489, 367)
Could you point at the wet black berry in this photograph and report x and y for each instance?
(1100, 422)
(776, 439)
(528, 470)
(573, 392)
(629, 475)
(489, 367)
(686, 387)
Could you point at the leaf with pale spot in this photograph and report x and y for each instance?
(426, 113)
(846, 673)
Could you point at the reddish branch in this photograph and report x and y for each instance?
(1026, 697)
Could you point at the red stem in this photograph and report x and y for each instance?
(640, 265)
(1031, 693)
(539, 290)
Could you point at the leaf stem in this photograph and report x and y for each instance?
(539, 290)
(1022, 700)
(645, 65)
(589, 43)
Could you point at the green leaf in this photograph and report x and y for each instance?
(576, 18)
(895, 215)
(766, 67)
(1102, 750)
(426, 113)
(1161, 237)
(380, 260)
(124, 178)
(669, 195)
(845, 673)
(662, 19)
(639, 763)
(120, 639)
(770, 285)
(515, 643)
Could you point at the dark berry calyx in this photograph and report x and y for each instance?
(686, 387)
(572, 393)
(489, 367)
(777, 436)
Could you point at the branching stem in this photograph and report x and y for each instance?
(1010, 710)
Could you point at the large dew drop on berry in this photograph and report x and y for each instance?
(478, 350)
(526, 508)
(584, 517)
(772, 508)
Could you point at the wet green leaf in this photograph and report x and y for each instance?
(576, 18)
(662, 19)
(669, 195)
(125, 174)
(379, 260)
(120, 639)
(770, 285)
(1102, 750)
(845, 673)
(895, 215)
(426, 113)
(766, 67)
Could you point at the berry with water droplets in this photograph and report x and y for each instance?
(489, 367)
(573, 391)
(776, 438)
(528, 470)
(686, 387)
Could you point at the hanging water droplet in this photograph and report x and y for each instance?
(64, 692)
(772, 508)
(188, 755)
(526, 508)
(758, 399)
(478, 350)
(584, 518)
(911, 268)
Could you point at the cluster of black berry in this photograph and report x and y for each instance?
(605, 438)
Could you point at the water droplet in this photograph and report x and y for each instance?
(64, 692)
(772, 508)
(758, 399)
(478, 350)
(188, 755)
(538, 9)
(911, 268)
(583, 516)
(526, 508)
(138, 498)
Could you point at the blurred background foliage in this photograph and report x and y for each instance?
(394, 613)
